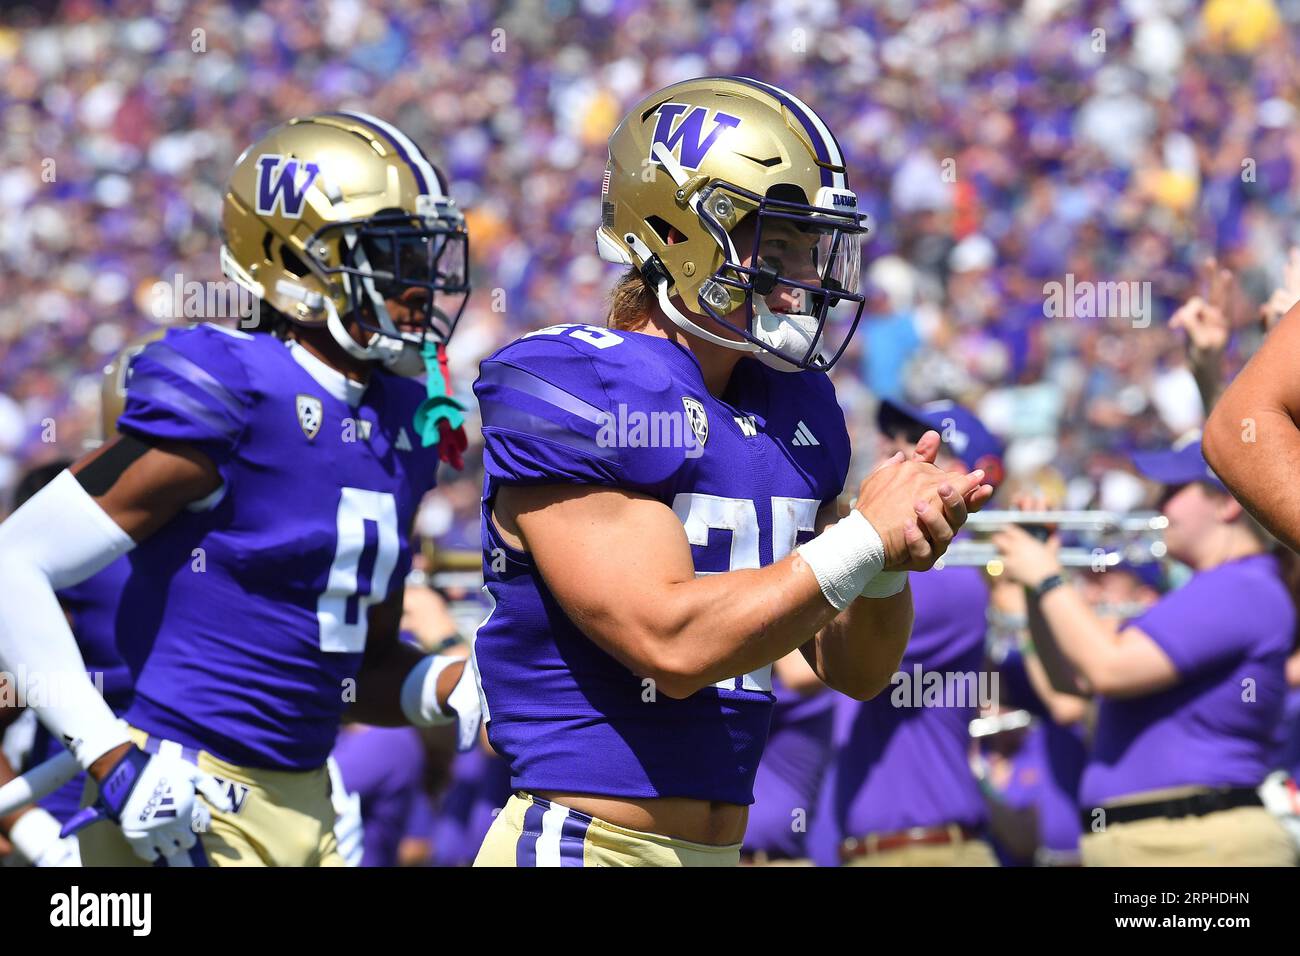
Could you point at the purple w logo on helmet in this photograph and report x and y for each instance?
(279, 184)
(689, 132)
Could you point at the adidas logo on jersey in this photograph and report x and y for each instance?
(403, 442)
(803, 436)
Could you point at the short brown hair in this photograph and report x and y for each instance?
(630, 302)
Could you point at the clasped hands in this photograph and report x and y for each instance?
(916, 507)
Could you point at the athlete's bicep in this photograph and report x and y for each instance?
(143, 485)
(605, 553)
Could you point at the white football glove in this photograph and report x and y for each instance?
(464, 700)
(349, 829)
(154, 798)
(36, 836)
(420, 698)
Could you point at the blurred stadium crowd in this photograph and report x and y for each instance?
(998, 146)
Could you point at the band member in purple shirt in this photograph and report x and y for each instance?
(900, 791)
(1190, 691)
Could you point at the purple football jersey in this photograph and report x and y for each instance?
(899, 765)
(253, 603)
(385, 766)
(745, 473)
(790, 774)
(92, 608)
(480, 787)
(1227, 632)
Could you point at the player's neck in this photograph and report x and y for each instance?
(320, 343)
(717, 362)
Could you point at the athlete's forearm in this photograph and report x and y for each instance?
(860, 650)
(697, 632)
(384, 678)
(58, 538)
(379, 684)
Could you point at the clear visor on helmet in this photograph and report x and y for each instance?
(803, 271)
(405, 275)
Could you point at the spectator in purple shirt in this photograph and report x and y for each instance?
(1190, 692)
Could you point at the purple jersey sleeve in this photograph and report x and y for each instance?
(188, 387)
(556, 409)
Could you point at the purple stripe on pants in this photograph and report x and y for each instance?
(573, 836)
(526, 848)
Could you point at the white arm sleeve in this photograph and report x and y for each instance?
(58, 538)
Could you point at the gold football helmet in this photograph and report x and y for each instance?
(339, 215)
(692, 162)
(112, 387)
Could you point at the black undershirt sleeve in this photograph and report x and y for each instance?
(102, 473)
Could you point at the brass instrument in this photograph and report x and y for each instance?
(1108, 538)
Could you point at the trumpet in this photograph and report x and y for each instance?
(1107, 538)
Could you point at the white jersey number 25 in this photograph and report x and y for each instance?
(700, 514)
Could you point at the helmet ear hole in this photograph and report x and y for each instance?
(289, 259)
(663, 229)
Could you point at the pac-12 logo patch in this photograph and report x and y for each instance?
(310, 414)
(677, 128)
(283, 182)
(698, 419)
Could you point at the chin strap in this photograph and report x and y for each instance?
(685, 322)
(653, 273)
(440, 419)
(339, 331)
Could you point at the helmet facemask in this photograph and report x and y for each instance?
(792, 339)
(381, 260)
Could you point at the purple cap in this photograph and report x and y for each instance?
(964, 434)
(1180, 465)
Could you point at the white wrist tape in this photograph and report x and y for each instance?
(420, 691)
(844, 558)
(34, 832)
(885, 584)
(58, 538)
